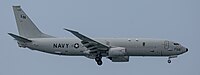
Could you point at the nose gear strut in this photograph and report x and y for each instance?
(169, 58)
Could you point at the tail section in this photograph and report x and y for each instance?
(26, 27)
(22, 41)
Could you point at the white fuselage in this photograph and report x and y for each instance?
(134, 46)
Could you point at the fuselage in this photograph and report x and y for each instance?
(134, 46)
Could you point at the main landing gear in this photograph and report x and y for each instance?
(98, 59)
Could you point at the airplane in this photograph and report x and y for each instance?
(115, 49)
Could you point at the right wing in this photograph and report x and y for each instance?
(90, 43)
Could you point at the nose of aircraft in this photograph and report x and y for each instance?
(186, 49)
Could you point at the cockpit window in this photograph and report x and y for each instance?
(176, 43)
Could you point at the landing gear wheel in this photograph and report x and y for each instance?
(99, 62)
(97, 59)
(169, 61)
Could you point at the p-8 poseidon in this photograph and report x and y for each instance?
(115, 49)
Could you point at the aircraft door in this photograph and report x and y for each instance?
(166, 45)
(166, 49)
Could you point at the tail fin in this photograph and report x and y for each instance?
(26, 27)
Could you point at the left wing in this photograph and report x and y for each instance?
(89, 43)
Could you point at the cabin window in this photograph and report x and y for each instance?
(176, 43)
(143, 43)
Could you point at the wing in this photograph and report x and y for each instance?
(89, 43)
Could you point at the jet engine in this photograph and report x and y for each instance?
(117, 51)
(119, 59)
(118, 54)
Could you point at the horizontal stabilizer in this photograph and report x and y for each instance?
(19, 38)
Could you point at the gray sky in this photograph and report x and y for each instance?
(176, 20)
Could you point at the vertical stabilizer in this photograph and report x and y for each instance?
(25, 26)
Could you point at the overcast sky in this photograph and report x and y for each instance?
(176, 20)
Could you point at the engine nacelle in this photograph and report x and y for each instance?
(117, 51)
(119, 59)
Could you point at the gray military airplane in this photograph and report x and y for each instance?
(115, 49)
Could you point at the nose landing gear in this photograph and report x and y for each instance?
(169, 61)
(169, 58)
